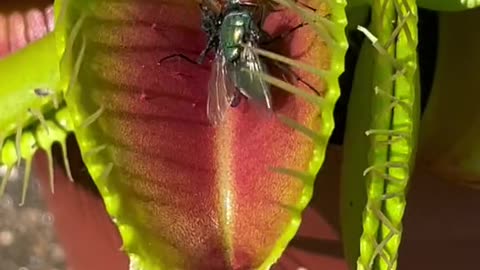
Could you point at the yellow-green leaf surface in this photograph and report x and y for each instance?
(20, 91)
(32, 115)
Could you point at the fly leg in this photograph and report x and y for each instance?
(199, 61)
(263, 16)
(294, 76)
(202, 56)
(267, 39)
(236, 99)
(179, 55)
(301, 3)
(212, 43)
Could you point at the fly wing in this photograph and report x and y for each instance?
(220, 90)
(250, 84)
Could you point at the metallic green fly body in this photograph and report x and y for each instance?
(231, 30)
(231, 33)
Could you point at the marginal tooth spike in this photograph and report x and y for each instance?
(18, 144)
(373, 39)
(92, 118)
(26, 179)
(50, 170)
(56, 102)
(314, 136)
(66, 163)
(45, 142)
(294, 77)
(395, 100)
(5, 178)
(387, 132)
(380, 249)
(288, 61)
(397, 30)
(73, 36)
(63, 11)
(404, 16)
(77, 65)
(406, 5)
(388, 196)
(383, 11)
(29, 148)
(375, 170)
(311, 98)
(75, 31)
(321, 25)
(107, 171)
(385, 220)
(40, 118)
(293, 210)
(9, 159)
(380, 49)
(305, 177)
(2, 140)
(94, 151)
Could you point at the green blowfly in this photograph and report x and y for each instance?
(232, 32)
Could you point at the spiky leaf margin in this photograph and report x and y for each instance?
(332, 31)
(389, 120)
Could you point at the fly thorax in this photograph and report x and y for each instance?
(232, 34)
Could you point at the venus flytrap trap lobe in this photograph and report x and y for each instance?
(318, 139)
(94, 115)
(391, 137)
(34, 117)
(392, 131)
(41, 135)
(162, 201)
(331, 33)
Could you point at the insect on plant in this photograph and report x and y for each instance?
(233, 31)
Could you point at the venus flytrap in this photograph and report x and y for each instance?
(20, 91)
(389, 120)
(34, 116)
(137, 123)
(238, 202)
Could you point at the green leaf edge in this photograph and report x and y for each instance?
(327, 123)
(403, 152)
